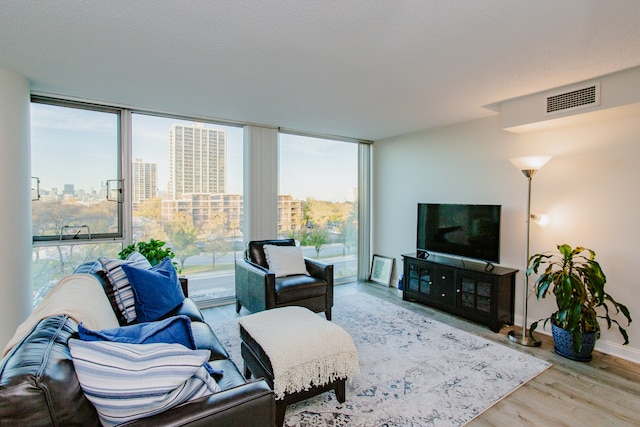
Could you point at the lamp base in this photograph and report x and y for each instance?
(526, 340)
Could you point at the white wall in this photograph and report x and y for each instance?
(589, 189)
(15, 216)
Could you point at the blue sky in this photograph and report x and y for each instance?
(76, 146)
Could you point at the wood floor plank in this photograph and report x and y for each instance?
(604, 392)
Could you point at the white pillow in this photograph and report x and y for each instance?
(130, 381)
(285, 260)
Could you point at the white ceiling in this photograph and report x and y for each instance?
(367, 69)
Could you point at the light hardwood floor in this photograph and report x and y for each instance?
(604, 392)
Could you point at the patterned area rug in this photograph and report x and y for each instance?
(414, 371)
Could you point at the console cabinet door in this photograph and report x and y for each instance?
(474, 295)
(420, 281)
(443, 291)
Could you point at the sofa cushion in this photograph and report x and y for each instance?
(285, 260)
(131, 381)
(296, 288)
(187, 308)
(205, 339)
(156, 290)
(123, 293)
(38, 385)
(232, 376)
(174, 330)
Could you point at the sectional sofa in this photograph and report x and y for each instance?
(39, 385)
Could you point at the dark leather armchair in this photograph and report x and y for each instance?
(258, 288)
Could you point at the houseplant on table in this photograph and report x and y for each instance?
(153, 250)
(577, 281)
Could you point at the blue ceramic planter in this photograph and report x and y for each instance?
(564, 344)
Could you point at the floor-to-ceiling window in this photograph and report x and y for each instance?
(318, 199)
(186, 190)
(104, 177)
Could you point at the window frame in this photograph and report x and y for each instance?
(120, 113)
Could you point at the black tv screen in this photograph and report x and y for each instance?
(471, 231)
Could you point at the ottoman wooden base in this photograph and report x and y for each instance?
(253, 365)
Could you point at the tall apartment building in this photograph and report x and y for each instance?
(145, 178)
(197, 160)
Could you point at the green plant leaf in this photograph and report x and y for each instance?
(577, 340)
(578, 282)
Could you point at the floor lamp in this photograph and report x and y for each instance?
(529, 165)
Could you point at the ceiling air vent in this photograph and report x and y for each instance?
(583, 97)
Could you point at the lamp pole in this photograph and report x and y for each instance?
(525, 339)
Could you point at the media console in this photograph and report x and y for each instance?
(466, 289)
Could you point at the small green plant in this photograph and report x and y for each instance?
(153, 250)
(577, 281)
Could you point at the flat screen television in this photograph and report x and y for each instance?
(470, 231)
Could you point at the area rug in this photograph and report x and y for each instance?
(414, 371)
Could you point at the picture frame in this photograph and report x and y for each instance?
(381, 269)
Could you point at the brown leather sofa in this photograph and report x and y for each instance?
(39, 387)
(258, 288)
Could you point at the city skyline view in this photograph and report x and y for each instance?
(90, 147)
(199, 214)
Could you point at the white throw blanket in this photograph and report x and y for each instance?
(304, 349)
(79, 296)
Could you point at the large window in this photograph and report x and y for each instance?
(106, 177)
(74, 162)
(318, 203)
(186, 190)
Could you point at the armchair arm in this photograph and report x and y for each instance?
(184, 283)
(255, 286)
(320, 270)
(251, 405)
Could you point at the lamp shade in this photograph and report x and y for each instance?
(530, 162)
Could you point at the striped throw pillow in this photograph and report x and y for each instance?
(122, 291)
(130, 381)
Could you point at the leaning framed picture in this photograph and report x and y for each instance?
(381, 270)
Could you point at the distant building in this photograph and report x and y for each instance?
(203, 208)
(145, 178)
(290, 214)
(206, 207)
(197, 160)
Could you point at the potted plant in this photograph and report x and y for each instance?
(153, 250)
(577, 281)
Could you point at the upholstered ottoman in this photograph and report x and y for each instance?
(298, 353)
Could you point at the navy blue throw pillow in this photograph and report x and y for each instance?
(173, 330)
(156, 291)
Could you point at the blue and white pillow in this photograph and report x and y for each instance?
(123, 294)
(129, 381)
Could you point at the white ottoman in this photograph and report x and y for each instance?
(298, 353)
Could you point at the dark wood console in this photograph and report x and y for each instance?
(465, 288)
